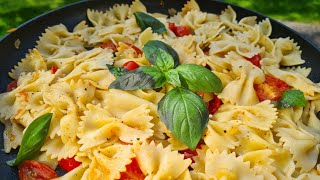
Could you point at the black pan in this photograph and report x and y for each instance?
(70, 15)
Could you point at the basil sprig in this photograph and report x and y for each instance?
(33, 139)
(182, 111)
(151, 47)
(292, 98)
(144, 21)
(185, 114)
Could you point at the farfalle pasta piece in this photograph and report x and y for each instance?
(12, 136)
(304, 71)
(32, 62)
(265, 27)
(108, 162)
(288, 51)
(119, 12)
(225, 166)
(190, 5)
(296, 80)
(310, 115)
(43, 158)
(98, 18)
(248, 75)
(261, 116)
(137, 6)
(157, 162)
(221, 135)
(58, 42)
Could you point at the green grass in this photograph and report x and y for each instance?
(307, 11)
(15, 12)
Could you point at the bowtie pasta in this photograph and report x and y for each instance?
(106, 130)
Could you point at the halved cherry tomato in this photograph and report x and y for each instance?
(214, 105)
(109, 45)
(138, 51)
(133, 172)
(12, 86)
(271, 89)
(130, 65)
(255, 60)
(68, 164)
(189, 154)
(179, 30)
(54, 69)
(34, 170)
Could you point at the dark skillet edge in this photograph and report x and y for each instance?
(39, 16)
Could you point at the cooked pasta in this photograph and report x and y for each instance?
(107, 129)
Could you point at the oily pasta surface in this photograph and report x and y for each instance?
(105, 129)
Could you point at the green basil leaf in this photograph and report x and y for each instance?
(134, 80)
(163, 60)
(33, 139)
(199, 78)
(293, 98)
(151, 47)
(157, 75)
(144, 21)
(117, 71)
(185, 114)
(173, 77)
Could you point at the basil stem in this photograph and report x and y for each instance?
(33, 139)
(144, 21)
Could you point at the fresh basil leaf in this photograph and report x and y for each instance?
(293, 98)
(157, 75)
(134, 80)
(33, 139)
(117, 71)
(163, 60)
(185, 114)
(199, 78)
(151, 47)
(173, 77)
(144, 21)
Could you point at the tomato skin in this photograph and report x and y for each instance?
(138, 51)
(130, 65)
(54, 69)
(272, 89)
(109, 45)
(12, 85)
(255, 60)
(133, 172)
(34, 170)
(214, 105)
(189, 154)
(179, 30)
(68, 164)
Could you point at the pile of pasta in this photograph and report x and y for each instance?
(105, 128)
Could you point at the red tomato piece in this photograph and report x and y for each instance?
(255, 60)
(130, 65)
(179, 30)
(133, 172)
(54, 69)
(68, 164)
(12, 86)
(189, 154)
(138, 51)
(34, 170)
(271, 89)
(214, 105)
(109, 45)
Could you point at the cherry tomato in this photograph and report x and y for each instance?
(12, 86)
(133, 172)
(34, 170)
(214, 105)
(54, 69)
(68, 164)
(271, 89)
(130, 65)
(109, 45)
(255, 60)
(189, 154)
(179, 30)
(138, 51)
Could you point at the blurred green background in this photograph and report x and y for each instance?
(15, 12)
